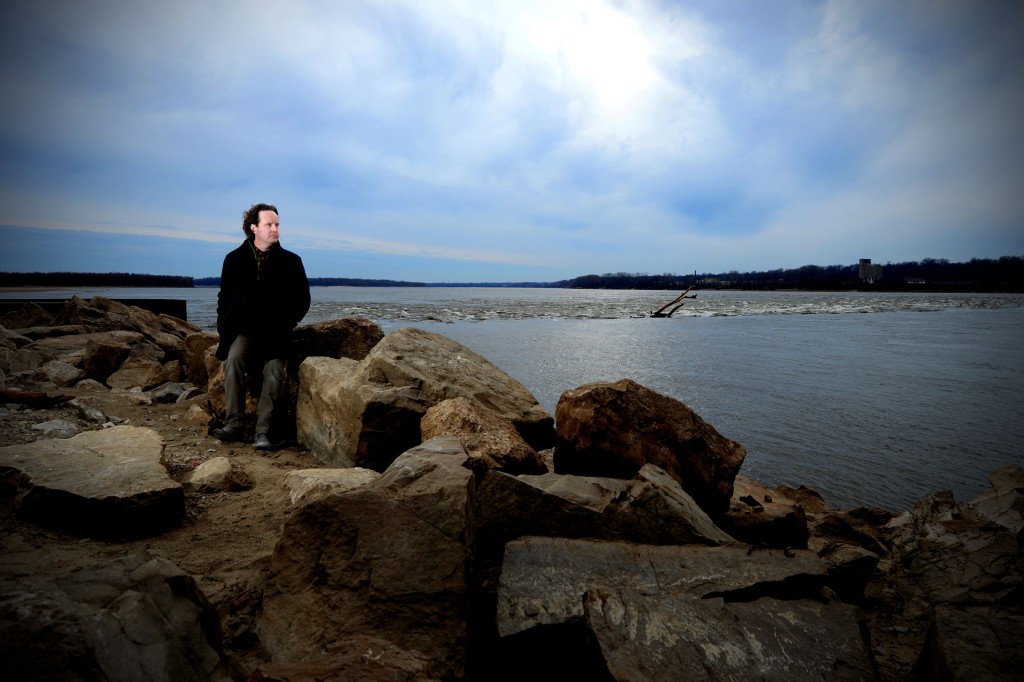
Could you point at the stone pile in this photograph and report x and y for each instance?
(456, 531)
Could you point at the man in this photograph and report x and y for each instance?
(263, 295)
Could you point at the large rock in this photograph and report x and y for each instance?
(59, 373)
(103, 355)
(651, 508)
(1004, 502)
(142, 373)
(108, 483)
(947, 563)
(671, 613)
(11, 339)
(195, 347)
(491, 441)
(347, 337)
(102, 314)
(306, 485)
(759, 515)
(36, 333)
(367, 413)
(613, 429)
(75, 349)
(389, 560)
(27, 315)
(970, 643)
(944, 553)
(135, 618)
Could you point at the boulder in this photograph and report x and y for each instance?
(110, 483)
(490, 439)
(613, 429)
(11, 339)
(59, 373)
(27, 315)
(970, 643)
(173, 392)
(143, 373)
(103, 354)
(1004, 502)
(306, 485)
(671, 612)
(388, 560)
(217, 475)
(194, 356)
(74, 348)
(134, 618)
(651, 509)
(102, 314)
(37, 333)
(89, 412)
(20, 360)
(811, 500)
(347, 337)
(366, 413)
(944, 553)
(759, 515)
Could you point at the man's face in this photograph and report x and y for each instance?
(267, 231)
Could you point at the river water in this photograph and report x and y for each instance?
(871, 399)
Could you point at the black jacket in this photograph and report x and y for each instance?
(264, 304)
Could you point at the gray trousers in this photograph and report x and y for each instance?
(242, 360)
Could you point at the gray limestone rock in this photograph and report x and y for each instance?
(682, 612)
(1004, 502)
(389, 560)
(216, 475)
(56, 428)
(971, 643)
(366, 413)
(135, 618)
(491, 441)
(306, 485)
(108, 483)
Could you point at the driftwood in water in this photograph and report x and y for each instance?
(660, 312)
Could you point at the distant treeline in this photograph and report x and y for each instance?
(90, 279)
(328, 282)
(501, 285)
(930, 274)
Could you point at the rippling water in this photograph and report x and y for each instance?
(869, 398)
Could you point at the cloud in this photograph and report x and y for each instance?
(496, 137)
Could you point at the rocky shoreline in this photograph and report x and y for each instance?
(429, 521)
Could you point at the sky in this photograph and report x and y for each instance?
(510, 140)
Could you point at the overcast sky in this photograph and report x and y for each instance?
(519, 140)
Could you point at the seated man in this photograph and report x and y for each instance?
(264, 294)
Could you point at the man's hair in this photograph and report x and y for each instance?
(252, 216)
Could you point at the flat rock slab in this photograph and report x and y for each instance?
(669, 637)
(108, 483)
(684, 612)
